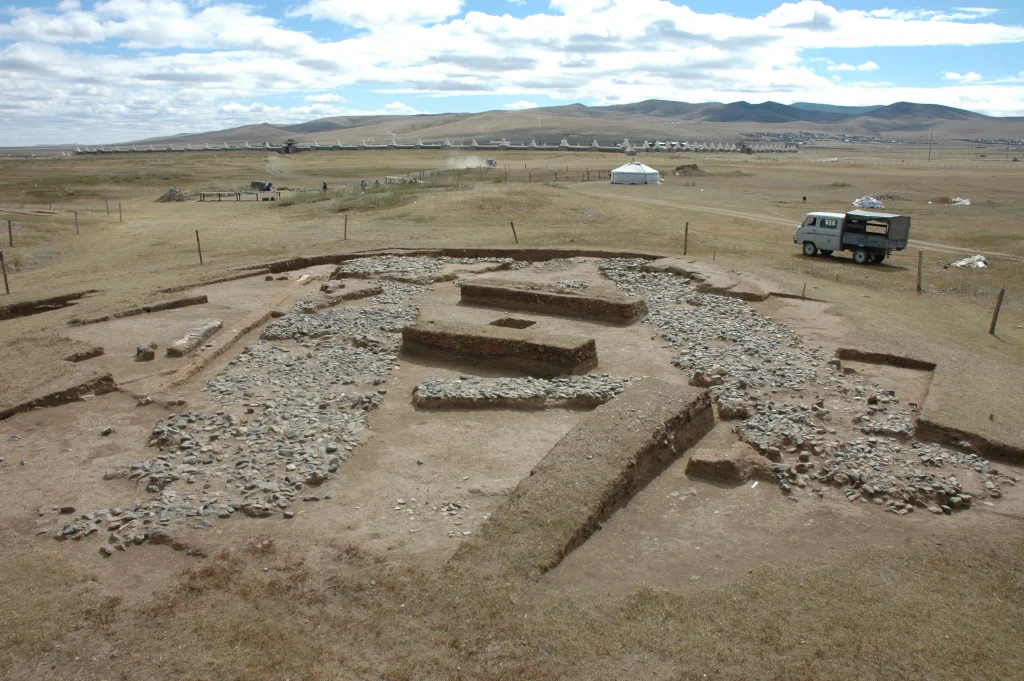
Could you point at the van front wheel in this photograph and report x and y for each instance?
(810, 250)
(860, 256)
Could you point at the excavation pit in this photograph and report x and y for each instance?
(513, 323)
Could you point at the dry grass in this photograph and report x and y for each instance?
(919, 611)
(900, 614)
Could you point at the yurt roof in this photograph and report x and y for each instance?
(634, 167)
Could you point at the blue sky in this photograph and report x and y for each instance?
(111, 70)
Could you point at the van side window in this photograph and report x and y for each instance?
(810, 222)
(829, 223)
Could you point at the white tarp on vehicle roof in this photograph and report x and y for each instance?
(868, 202)
(635, 173)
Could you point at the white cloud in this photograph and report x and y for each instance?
(400, 108)
(327, 97)
(521, 104)
(969, 77)
(178, 63)
(866, 66)
(382, 14)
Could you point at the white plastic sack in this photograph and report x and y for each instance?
(976, 262)
(868, 202)
(957, 201)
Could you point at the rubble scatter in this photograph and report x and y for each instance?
(347, 323)
(821, 424)
(288, 421)
(586, 390)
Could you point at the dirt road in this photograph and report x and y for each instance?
(781, 222)
(271, 167)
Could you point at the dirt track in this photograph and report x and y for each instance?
(781, 222)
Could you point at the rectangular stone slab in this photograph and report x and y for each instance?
(524, 349)
(194, 338)
(600, 464)
(617, 309)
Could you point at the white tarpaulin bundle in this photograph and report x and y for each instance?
(635, 173)
(868, 202)
(974, 262)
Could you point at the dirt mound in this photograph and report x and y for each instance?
(942, 201)
(173, 194)
(888, 197)
(690, 170)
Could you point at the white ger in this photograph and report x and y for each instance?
(635, 173)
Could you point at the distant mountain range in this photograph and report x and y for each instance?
(653, 118)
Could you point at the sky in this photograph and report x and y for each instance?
(115, 70)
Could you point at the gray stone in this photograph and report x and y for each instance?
(145, 352)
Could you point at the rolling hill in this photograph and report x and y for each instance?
(650, 119)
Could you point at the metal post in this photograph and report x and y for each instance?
(920, 257)
(106, 202)
(10, 235)
(686, 236)
(803, 294)
(76, 222)
(199, 245)
(514, 236)
(3, 265)
(995, 313)
(120, 217)
(346, 227)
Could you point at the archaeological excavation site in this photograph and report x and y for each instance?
(432, 432)
(532, 414)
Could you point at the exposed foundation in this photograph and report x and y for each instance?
(64, 391)
(194, 338)
(152, 307)
(31, 307)
(509, 296)
(601, 463)
(536, 354)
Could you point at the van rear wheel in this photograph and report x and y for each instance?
(810, 250)
(877, 258)
(860, 256)
(827, 254)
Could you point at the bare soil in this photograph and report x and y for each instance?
(748, 583)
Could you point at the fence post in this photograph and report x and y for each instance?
(10, 235)
(346, 228)
(76, 222)
(199, 245)
(120, 217)
(514, 236)
(3, 266)
(106, 202)
(995, 313)
(920, 256)
(686, 236)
